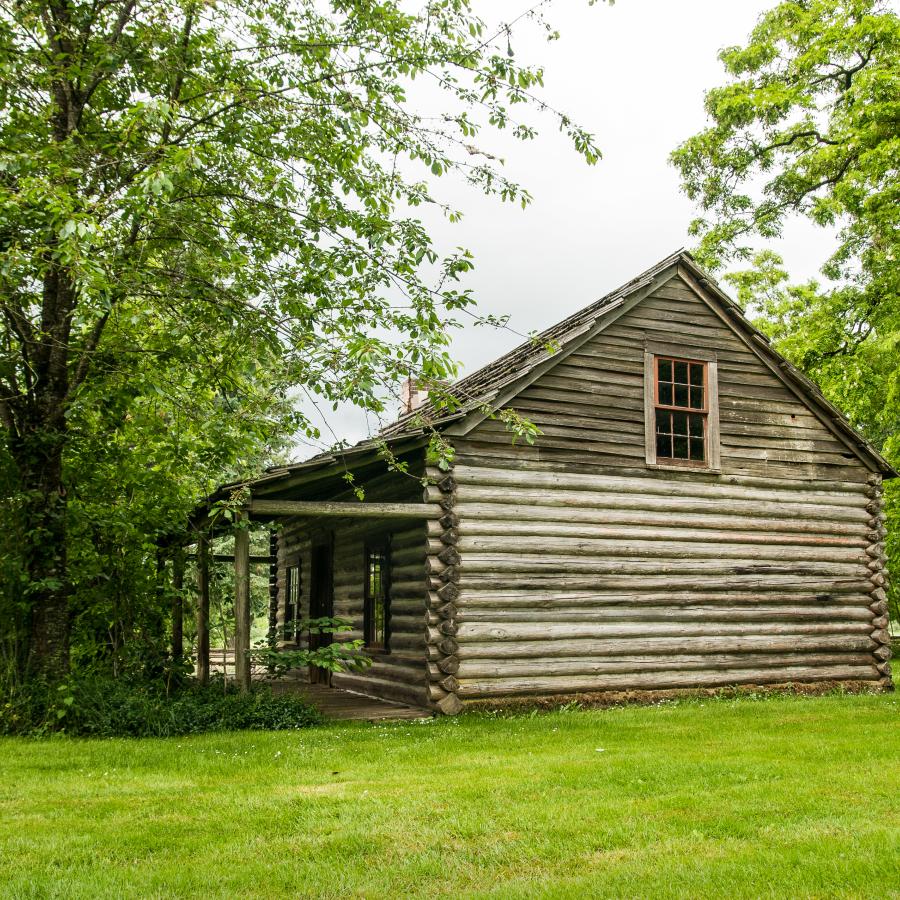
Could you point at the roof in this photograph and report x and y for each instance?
(486, 383)
(495, 384)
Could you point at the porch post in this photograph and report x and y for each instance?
(203, 608)
(178, 605)
(242, 602)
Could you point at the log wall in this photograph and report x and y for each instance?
(581, 569)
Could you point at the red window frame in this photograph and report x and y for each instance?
(701, 412)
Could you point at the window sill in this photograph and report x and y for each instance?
(675, 467)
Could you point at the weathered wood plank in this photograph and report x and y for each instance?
(553, 648)
(473, 632)
(719, 613)
(345, 509)
(478, 669)
(663, 680)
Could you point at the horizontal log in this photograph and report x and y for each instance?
(412, 641)
(626, 546)
(663, 680)
(659, 531)
(477, 669)
(255, 558)
(606, 583)
(487, 599)
(406, 607)
(523, 566)
(566, 647)
(472, 632)
(343, 509)
(721, 613)
(725, 487)
(403, 691)
(584, 455)
(660, 504)
(713, 518)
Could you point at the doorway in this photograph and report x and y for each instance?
(321, 601)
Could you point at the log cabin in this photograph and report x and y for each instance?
(692, 513)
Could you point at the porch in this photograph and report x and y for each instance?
(340, 705)
(336, 704)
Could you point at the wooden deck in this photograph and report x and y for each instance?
(334, 703)
(337, 704)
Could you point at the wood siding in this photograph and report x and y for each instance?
(581, 569)
(590, 406)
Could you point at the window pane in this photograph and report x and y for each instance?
(665, 393)
(681, 372)
(664, 446)
(665, 370)
(681, 395)
(680, 423)
(696, 398)
(697, 449)
(695, 425)
(663, 421)
(680, 447)
(697, 374)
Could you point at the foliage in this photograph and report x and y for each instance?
(104, 707)
(337, 656)
(808, 125)
(206, 208)
(773, 798)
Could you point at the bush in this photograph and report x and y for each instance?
(102, 707)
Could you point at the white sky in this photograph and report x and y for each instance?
(633, 74)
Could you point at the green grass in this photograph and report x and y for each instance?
(786, 796)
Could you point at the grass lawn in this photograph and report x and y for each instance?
(785, 796)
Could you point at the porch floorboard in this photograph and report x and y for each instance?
(338, 704)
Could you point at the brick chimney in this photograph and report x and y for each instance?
(412, 395)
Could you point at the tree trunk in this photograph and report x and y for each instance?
(37, 445)
(39, 461)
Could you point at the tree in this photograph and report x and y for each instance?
(231, 186)
(808, 125)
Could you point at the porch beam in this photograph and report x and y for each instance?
(342, 509)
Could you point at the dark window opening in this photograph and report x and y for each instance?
(680, 400)
(292, 602)
(377, 597)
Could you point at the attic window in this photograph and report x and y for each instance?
(681, 410)
(680, 402)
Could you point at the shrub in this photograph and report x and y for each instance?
(103, 707)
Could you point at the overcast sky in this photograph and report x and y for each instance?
(634, 74)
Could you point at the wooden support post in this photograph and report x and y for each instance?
(273, 593)
(242, 603)
(203, 609)
(178, 605)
